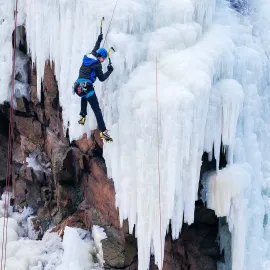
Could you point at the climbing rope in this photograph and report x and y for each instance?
(158, 145)
(9, 154)
(158, 160)
(110, 22)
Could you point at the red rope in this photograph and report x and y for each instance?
(8, 173)
(158, 157)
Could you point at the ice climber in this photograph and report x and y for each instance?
(84, 86)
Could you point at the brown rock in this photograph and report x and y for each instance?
(44, 215)
(45, 194)
(54, 121)
(78, 159)
(30, 128)
(99, 192)
(40, 114)
(33, 95)
(38, 231)
(113, 248)
(62, 166)
(85, 144)
(27, 146)
(49, 83)
(97, 138)
(75, 221)
(21, 104)
(17, 153)
(33, 77)
(3, 156)
(204, 215)
(26, 173)
(52, 143)
(51, 103)
(66, 200)
(19, 193)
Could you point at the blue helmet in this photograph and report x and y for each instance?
(102, 52)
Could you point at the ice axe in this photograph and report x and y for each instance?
(109, 54)
(101, 22)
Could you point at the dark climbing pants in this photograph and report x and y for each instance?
(93, 101)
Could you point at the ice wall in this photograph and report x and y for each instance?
(228, 194)
(212, 84)
(6, 29)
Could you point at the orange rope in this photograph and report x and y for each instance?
(9, 155)
(158, 157)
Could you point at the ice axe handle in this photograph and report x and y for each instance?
(111, 49)
(101, 22)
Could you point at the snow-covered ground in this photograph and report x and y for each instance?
(79, 250)
(213, 83)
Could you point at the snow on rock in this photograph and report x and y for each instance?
(76, 252)
(99, 235)
(51, 253)
(31, 231)
(22, 88)
(34, 161)
(28, 254)
(22, 217)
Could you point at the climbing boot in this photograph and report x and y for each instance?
(82, 120)
(105, 136)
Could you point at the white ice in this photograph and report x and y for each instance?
(23, 252)
(213, 84)
(228, 194)
(99, 235)
(76, 252)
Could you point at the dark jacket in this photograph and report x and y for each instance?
(91, 68)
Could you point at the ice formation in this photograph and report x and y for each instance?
(228, 193)
(51, 253)
(213, 85)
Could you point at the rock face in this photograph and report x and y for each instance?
(3, 145)
(67, 184)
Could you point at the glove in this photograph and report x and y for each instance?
(100, 37)
(110, 68)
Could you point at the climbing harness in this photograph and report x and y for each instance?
(9, 154)
(83, 89)
(110, 22)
